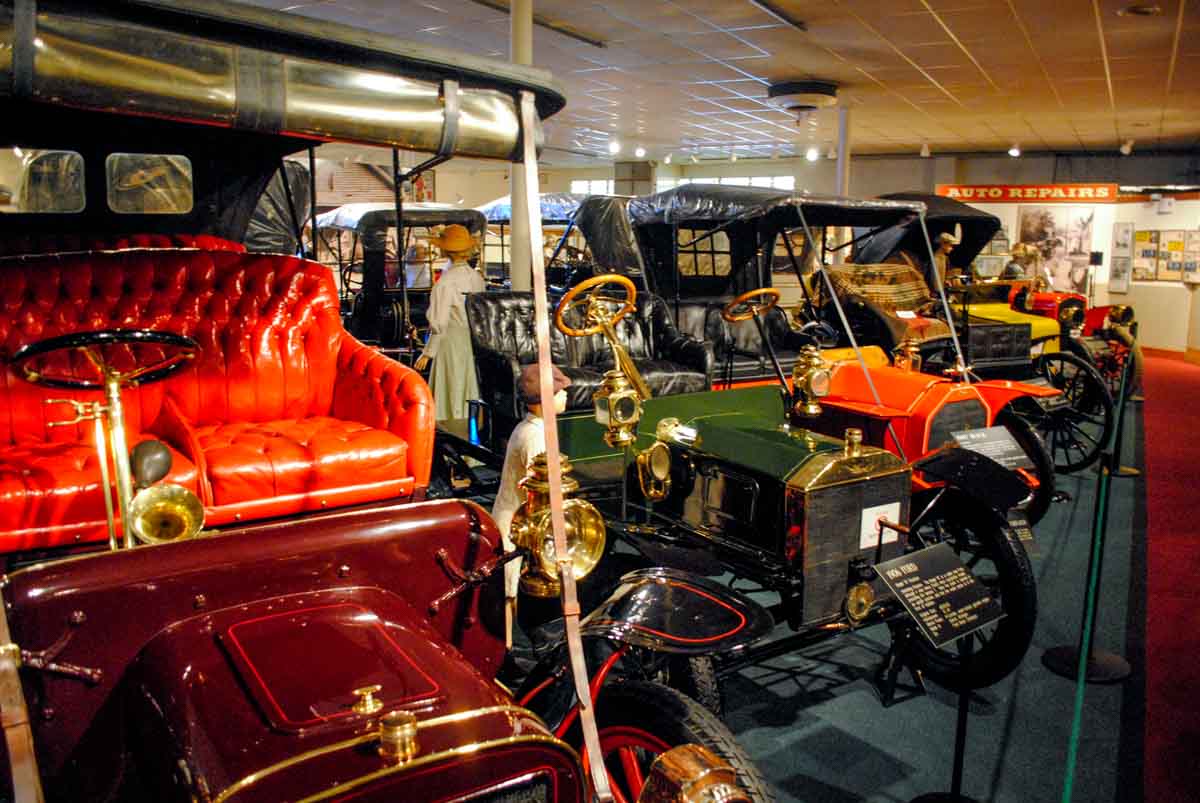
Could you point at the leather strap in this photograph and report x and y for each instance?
(450, 111)
(26, 782)
(570, 599)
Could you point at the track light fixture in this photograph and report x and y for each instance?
(925, 152)
(695, 159)
(667, 159)
(614, 147)
(812, 154)
(1127, 147)
(639, 151)
(1014, 151)
(733, 156)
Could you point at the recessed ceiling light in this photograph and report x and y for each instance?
(639, 151)
(667, 160)
(1014, 151)
(812, 154)
(1140, 10)
(614, 147)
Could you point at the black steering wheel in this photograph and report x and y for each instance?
(152, 356)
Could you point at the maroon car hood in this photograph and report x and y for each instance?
(279, 675)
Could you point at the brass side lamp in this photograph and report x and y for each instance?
(810, 382)
(531, 530)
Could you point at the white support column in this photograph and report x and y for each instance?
(843, 151)
(843, 163)
(520, 52)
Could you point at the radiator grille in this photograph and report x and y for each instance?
(833, 523)
(955, 417)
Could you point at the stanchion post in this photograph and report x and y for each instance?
(1122, 402)
(965, 651)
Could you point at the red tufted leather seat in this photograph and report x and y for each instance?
(60, 243)
(281, 413)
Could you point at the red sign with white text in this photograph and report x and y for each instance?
(1024, 193)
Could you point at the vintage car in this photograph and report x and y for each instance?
(387, 288)
(993, 333)
(736, 483)
(328, 635)
(561, 249)
(737, 303)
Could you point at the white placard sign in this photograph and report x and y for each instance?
(868, 536)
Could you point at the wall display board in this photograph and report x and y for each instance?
(1170, 255)
(1191, 256)
(1063, 235)
(1145, 255)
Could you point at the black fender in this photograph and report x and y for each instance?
(658, 610)
(976, 475)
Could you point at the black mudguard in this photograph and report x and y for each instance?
(976, 475)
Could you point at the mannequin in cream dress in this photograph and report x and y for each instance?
(449, 346)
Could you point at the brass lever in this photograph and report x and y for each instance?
(84, 411)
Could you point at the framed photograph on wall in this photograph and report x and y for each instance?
(1063, 236)
(1119, 274)
(1122, 240)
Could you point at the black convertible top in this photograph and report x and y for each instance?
(715, 203)
(943, 215)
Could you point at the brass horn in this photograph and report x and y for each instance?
(164, 513)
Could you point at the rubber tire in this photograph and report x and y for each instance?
(1012, 635)
(1100, 396)
(677, 719)
(696, 676)
(1043, 464)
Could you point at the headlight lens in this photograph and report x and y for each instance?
(624, 409)
(659, 460)
(818, 382)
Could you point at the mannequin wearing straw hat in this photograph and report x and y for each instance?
(449, 346)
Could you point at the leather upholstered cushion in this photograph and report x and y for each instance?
(50, 493)
(298, 458)
(667, 378)
(896, 294)
(502, 334)
(60, 243)
(278, 388)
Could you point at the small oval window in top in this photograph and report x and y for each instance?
(149, 184)
(34, 181)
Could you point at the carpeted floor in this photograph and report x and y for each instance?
(1172, 424)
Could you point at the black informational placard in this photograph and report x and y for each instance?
(939, 592)
(1020, 525)
(996, 443)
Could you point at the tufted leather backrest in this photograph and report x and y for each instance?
(60, 243)
(267, 325)
(504, 322)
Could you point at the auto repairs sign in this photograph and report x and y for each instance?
(1024, 193)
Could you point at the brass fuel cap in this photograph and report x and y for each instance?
(398, 736)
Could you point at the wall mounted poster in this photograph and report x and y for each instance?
(1170, 256)
(1119, 274)
(1063, 235)
(1122, 242)
(1191, 256)
(1145, 255)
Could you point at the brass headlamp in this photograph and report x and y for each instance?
(618, 407)
(531, 530)
(810, 381)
